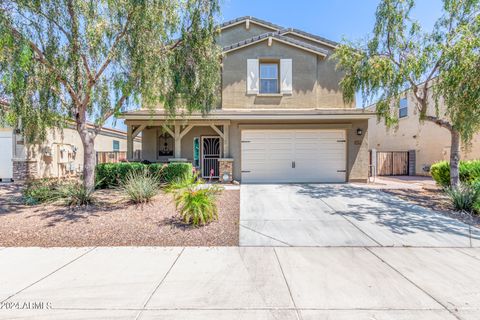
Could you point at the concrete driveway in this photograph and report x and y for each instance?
(343, 215)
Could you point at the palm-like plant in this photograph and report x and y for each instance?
(195, 201)
(197, 206)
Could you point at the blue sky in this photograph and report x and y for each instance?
(332, 19)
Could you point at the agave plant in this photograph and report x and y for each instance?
(464, 197)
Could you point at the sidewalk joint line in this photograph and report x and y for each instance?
(159, 284)
(413, 283)
(299, 316)
(265, 235)
(469, 255)
(48, 275)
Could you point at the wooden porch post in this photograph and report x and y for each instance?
(226, 141)
(129, 142)
(178, 142)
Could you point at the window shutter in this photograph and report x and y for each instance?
(286, 76)
(252, 76)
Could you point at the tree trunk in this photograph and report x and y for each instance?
(454, 158)
(89, 160)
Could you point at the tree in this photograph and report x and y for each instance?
(82, 61)
(400, 56)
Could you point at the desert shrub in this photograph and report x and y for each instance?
(469, 172)
(42, 191)
(140, 186)
(48, 190)
(464, 197)
(75, 194)
(111, 175)
(195, 201)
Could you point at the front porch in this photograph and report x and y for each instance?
(205, 144)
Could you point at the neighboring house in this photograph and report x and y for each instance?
(280, 118)
(60, 155)
(425, 142)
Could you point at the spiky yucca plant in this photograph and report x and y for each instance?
(140, 186)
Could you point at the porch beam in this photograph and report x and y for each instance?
(168, 130)
(186, 130)
(137, 130)
(220, 133)
(180, 122)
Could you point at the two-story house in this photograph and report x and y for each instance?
(281, 119)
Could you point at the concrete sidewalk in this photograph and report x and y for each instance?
(241, 283)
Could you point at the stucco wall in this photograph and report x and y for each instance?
(357, 146)
(315, 80)
(239, 33)
(430, 142)
(46, 153)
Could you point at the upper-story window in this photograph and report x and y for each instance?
(269, 77)
(403, 108)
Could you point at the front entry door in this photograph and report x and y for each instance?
(210, 155)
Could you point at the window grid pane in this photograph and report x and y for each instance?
(269, 78)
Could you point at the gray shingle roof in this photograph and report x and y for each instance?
(279, 28)
(260, 21)
(276, 35)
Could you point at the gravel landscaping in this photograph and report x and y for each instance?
(112, 221)
(434, 198)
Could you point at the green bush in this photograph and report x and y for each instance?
(176, 171)
(111, 175)
(464, 197)
(469, 172)
(42, 191)
(140, 186)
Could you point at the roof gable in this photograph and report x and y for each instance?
(276, 36)
(280, 29)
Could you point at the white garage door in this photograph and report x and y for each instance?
(293, 156)
(6, 155)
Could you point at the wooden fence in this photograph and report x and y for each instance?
(393, 163)
(111, 156)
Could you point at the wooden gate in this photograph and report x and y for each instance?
(394, 163)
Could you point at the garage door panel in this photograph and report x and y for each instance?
(6, 155)
(269, 155)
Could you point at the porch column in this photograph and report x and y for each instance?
(129, 142)
(226, 141)
(178, 142)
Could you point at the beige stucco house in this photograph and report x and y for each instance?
(60, 155)
(426, 142)
(280, 118)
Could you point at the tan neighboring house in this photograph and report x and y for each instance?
(280, 118)
(425, 143)
(59, 156)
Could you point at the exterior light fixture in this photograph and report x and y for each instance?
(226, 177)
(359, 132)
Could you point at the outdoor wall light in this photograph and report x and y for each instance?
(359, 132)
